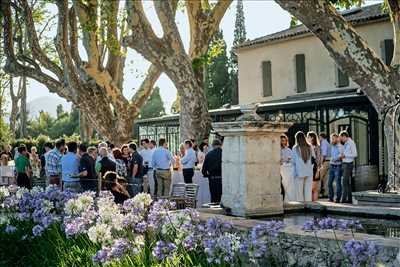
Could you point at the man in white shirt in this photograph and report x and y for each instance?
(348, 157)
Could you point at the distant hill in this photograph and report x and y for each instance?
(48, 104)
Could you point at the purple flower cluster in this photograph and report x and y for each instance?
(10, 229)
(119, 249)
(37, 230)
(361, 253)
(331, 224)
(164, 250)
(123, 230)
(43, 208)
(219, 241)
(158, 212)
(256, 245)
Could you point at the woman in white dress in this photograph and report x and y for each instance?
(287, 169)
(201, 155)
(302, 168)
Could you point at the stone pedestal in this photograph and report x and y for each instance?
(251, 183)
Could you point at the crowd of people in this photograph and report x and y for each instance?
(313, 167)
(125, 171)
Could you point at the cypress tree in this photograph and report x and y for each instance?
(238, 38)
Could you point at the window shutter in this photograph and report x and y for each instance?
(387, 50)
(300, 73)
(267, 78)
(342, 79)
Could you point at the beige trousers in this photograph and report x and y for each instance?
(324, 172)
(163, 182)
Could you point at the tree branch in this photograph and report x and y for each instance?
(87, 15)
(203, 25)
(70, 71)
(143, 39)
(346, 47)
(219, 11)
(394, 7)
(12, 66)
(33, 40)
(145, 90)
(73, 37)
(113, 44)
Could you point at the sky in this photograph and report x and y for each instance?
(262, 17)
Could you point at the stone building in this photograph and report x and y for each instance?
(294, 79)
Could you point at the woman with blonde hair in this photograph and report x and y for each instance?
(302, 167)
(287, 170)
(313, 140)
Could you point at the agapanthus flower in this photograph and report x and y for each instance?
(141, 227)
(37, 230)
(101, 256)
(10, 229)
(158, 212)
(349, 224)
(222, 248)
(100, 233)
(163, 250)
(4, 192)
(361, 253)
(119, 249)
(259, 239)
(331, 224)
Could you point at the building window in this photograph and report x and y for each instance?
(342, 80)
(387, 51)
(300, 73)
(266, 78)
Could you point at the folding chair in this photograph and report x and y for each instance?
(191, 191)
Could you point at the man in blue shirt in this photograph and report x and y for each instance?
(161, 162)
(335, 168)
(188, 162)
(70, 168)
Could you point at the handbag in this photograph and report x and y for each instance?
(316, 170)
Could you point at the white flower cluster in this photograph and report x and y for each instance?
(100, 233)
(4, 192)
(142, 200)
(77, 206)
(109, 213)
(21, 191)
(36, 190)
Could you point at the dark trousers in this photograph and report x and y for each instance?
(135, 185)
(215, 184)
(155, 182)
(188, 175)
(347, 173)
(23, 180)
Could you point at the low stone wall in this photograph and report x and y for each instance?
(303, 249)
